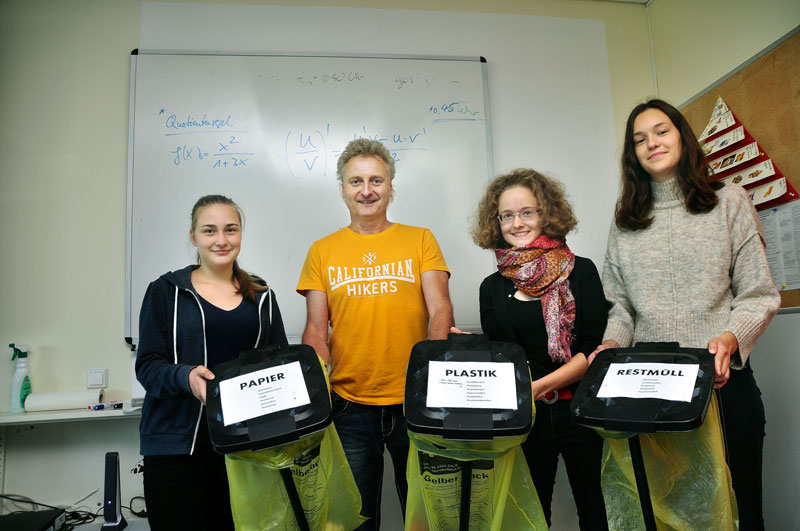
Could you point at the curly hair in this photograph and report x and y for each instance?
(635, 203)
(364, 147)
(557, 217)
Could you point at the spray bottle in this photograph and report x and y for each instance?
(21, 382)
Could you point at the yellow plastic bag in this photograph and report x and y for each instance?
(690, 485)
(258, 497)
(502, 491)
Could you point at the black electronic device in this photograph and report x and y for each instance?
(45, 520)
(467, 424)
(644, 415)
(277, 427)
(112, 510)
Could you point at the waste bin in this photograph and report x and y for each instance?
(468, 408)
(269, 413)
(664, 456)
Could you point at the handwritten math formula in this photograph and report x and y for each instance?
(220, 142)
(214, 140)
(312, 152)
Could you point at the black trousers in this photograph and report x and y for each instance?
(743, 413)
(188, 491)
(555, 433)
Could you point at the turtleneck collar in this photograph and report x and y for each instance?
(666, 191)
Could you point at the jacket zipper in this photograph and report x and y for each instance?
(205, 360)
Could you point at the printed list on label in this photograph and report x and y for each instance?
(485, 385)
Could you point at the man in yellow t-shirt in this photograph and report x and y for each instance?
(379, 284)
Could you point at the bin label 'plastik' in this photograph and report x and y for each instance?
(484, 385)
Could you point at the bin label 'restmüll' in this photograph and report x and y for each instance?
(667, 381)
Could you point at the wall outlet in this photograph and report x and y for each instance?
(96, 378)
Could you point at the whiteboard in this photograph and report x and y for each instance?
(266, 130)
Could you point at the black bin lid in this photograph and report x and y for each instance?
(466, 424)
(278, 427)
(644, 415)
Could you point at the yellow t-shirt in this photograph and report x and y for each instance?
(375, 303)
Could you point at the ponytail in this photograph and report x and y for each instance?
(248, 285)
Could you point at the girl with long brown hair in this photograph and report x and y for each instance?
(192, 320)
(686, 263)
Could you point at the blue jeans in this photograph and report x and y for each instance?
(364, 432)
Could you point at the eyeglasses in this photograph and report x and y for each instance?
(525, 215)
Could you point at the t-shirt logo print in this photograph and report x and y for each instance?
(369, 258)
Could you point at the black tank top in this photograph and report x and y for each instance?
(228, 332)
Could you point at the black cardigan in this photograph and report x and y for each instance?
(591, 314)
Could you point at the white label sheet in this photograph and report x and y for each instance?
(262, 392)
(486, 385)
(667, 381)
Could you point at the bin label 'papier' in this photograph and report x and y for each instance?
(261, 392)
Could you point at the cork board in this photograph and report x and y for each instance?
(765, 96)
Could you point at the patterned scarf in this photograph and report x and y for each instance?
(541, 270)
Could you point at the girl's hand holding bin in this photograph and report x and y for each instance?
(608, 343)
(722, 347)
(197, 382)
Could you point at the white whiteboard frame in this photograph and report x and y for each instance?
(129, 333)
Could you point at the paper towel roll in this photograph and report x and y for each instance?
(63, 400)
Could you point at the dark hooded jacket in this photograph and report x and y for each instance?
(171, 343)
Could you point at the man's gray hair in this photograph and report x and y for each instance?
(364, 147)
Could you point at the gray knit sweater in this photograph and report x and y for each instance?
(690, 277)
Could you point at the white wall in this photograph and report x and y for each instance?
(697, 43)
(64, 105)
(776, 364)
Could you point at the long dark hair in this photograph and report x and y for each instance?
(635, 203)
(247, 284)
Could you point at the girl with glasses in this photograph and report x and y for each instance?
(550, 302)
